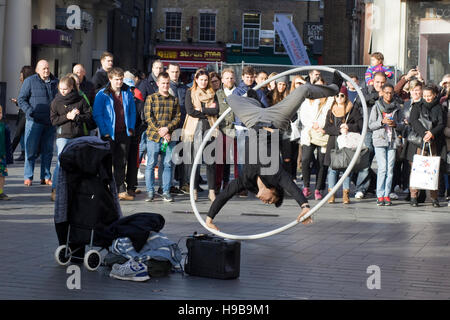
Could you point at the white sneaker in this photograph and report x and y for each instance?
(130, 270)
(359, 195)
(393, 196)
(397, 189)
(140, 175)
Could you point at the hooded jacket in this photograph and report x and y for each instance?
(103, 111)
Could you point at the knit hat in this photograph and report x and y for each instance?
(282, 79)
(344, 91)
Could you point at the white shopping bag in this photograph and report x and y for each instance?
(350, 140)
(425, 172)
(295, 135)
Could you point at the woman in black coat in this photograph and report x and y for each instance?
(71, 115)
(341, 118)
(429, 108)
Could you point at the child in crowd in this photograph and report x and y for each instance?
(5, 154)
(376, 65)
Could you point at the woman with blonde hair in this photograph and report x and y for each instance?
(296, 82)
(202, 109)
(341, 119)
(312, 114)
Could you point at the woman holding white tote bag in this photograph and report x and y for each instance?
(432, 110)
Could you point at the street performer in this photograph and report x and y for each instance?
(269, 187)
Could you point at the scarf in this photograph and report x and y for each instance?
(339, 112)
(2, 140)
(430, 105)
(70, 98)
(198, 97)
(387, 107)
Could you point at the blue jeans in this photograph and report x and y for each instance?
(363, 180)
(60, 144)
(153, 150)
(241, 134)
(38, 137)
(333, 176)
(385, 160)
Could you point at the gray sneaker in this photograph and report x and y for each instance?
(150, 197)
(130, 270)
(167, 197)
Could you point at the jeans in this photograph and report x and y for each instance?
(385, 160)
(38, 137)
(241, 134)
(363, 179)
(142, 146)
(333, 176)
(60, 144)
(153, 150)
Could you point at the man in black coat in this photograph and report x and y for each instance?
(85, 85)
(100, 78)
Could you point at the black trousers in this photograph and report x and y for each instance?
(289, 154)
(20, 129)
(132, 163)
(307, 156)
(210, 169)
(120, 148)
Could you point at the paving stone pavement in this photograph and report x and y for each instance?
(326, 260)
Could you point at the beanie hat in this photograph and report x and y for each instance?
(344, 91)
(282, 79)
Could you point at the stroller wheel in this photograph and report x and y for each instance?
(92, 260)
(62, 255)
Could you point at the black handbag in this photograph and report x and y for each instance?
(341, 158)
(414, 137)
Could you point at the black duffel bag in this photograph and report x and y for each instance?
(341, 158)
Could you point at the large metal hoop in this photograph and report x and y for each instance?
(198, 157)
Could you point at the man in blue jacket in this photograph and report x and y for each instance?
(115, 114)
(34, 99)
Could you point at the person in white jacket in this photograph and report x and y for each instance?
(312, 115)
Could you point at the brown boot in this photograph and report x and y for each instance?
(53, 195)
(346, 196)
(332, 199)
(125, 196)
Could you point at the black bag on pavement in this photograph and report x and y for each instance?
(213, 257)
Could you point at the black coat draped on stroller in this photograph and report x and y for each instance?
(86, 200)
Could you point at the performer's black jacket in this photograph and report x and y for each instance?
(281, 181)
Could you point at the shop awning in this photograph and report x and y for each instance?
(51, 38)
(188, 64)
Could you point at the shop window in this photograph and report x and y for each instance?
(173, 26)
(207, 27)
(250, 32)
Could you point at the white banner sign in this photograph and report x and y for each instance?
(291, 41)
